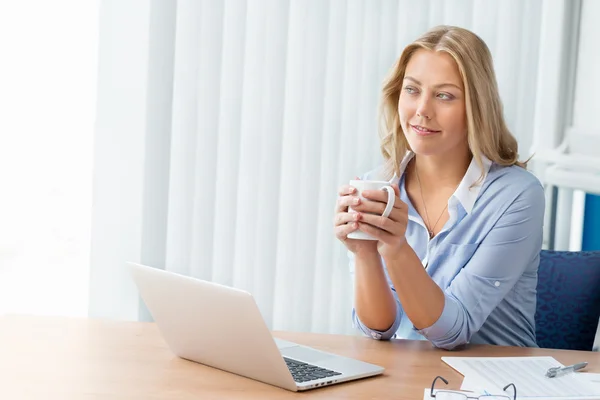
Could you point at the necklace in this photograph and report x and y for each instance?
(428, 224)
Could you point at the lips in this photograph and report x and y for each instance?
(423, 130)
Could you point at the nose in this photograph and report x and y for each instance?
(424, 109)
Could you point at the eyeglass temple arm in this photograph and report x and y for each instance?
(514, 389)
(433, 384)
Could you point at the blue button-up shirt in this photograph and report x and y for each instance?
(485, 259)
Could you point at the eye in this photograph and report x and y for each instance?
(410, 90)
(445, 96)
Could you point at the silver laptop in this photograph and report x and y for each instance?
(222, 327)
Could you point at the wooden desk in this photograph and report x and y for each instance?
(61, 358)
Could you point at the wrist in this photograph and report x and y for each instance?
(400, 252)
(366, 253)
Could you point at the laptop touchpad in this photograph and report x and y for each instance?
(305, 354)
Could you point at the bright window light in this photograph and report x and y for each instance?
(47, 103)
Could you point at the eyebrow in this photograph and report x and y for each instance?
(410, 78)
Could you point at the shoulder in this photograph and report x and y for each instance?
(510, 209)
(512, 182)
(510, 190)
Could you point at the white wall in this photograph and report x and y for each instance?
(134, 83)
(119, 138)
(554, 102)
(586, 105)
(47, 98)
(587, 87)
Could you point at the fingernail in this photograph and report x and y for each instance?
(356, 201)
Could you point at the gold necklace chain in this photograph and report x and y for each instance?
(430, 230)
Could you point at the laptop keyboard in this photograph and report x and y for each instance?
(303, 372)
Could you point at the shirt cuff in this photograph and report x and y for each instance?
(442, 329)
(375, 334)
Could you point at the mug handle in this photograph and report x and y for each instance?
(390, 203)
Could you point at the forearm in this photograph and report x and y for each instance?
(374, 303)
(421, 298)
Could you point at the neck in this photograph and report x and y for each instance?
(443, 170)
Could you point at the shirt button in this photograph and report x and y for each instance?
(496, 283)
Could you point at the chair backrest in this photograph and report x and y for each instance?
(568, 299)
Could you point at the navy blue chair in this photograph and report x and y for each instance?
(568, 299)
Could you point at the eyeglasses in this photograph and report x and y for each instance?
(448, 395)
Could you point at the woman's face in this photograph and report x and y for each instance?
(432, 104)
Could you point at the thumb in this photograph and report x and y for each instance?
(396, 189)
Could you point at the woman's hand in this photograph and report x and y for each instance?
(388, 231)
(347, 222)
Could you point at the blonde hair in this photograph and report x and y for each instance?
(487, 133)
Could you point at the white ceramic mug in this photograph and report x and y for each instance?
(372, 185)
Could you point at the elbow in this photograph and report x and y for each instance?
(455, 338)
(450, 344)
(452, 330)
(379, 336)
(388, 334)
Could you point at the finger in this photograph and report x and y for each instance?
(342, 231)
(382, 223)
(399, 212)
(377, 207)
(399, 215)
(343, 202)
(381, 196)
(399, 204)
(368, 206)
(345, 217)
(376, 195)
(377, 233)
(396, 189)
(346, 189)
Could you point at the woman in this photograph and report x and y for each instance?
(456, 260)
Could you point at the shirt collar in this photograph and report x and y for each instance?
(468, 190)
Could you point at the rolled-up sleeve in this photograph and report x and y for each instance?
(497, 264)
(375, 334)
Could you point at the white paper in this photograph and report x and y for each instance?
(527, 373)
(591, 377)
(427, 393)
(471, 383)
